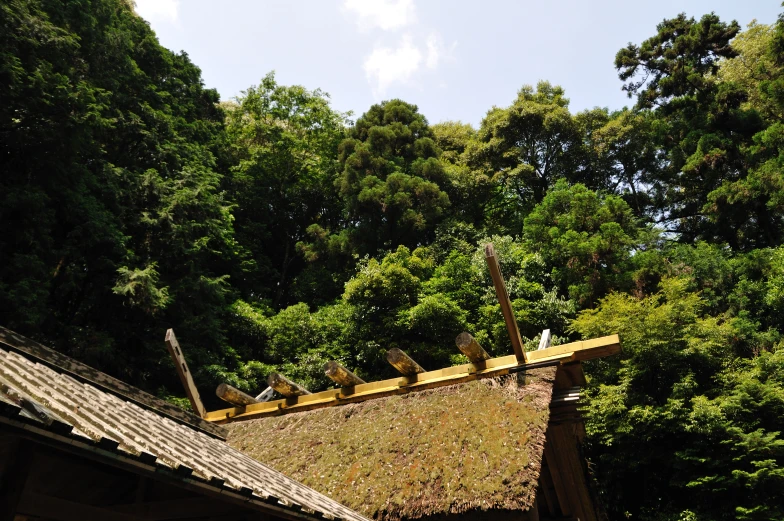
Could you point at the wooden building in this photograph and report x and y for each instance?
(499, 440)
(495, 438)
(79, 445)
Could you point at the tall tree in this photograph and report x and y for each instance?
(762, 190)
(701, 125)
(753, 65)
(527, 146)
(627, 158)
(113, 223)
(586, 240)
(390, 181)
(678, 426)
(283, 144)
(470, 190)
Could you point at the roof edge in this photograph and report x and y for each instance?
(84, 373)
(24, 428)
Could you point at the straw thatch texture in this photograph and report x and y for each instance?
(464, 448)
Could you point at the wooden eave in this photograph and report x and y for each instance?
(212, 491)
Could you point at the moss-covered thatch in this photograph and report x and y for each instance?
(474, 446)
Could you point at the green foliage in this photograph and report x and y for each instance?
(472, 192)
(391, 178)
(585, 240)
(140, 288)
(680, 60)
(389, 284)
(760, 191)
(283, 144)
(706, 129)
(113, 223)
(774, 294)
(711, 421)
(433, 318)
(752, 66)
(275, 235)
(526, 147)
(623, 149)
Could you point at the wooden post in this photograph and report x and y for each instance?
(234, 396)
(340, 375)
(403, 363)
(546, 340)
(566, 467)
(561, 490)
(471, 348)
(185, 375)
(285, 386)
(533, 512)
(265, 395)
(506, 304)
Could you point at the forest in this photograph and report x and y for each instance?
(273, 232)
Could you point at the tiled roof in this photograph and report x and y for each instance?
(40, 395)
(65, 365)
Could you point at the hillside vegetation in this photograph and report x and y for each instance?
(275, 233)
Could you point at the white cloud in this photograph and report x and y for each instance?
(404, 62)
(386, 66)
(434, 50)
(384, 14)
(437, 52)
(158, 10)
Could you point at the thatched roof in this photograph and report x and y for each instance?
(473, 446)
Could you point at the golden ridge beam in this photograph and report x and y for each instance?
(575, 351)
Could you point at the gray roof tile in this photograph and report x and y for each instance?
(124, 427)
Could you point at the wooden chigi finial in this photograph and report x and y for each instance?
(506, 304)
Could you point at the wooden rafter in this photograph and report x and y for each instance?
(468, 345)
(285, 386)
(575, 351)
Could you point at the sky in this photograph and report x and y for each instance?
(454, 59)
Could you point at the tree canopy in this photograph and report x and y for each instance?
(274, 234)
